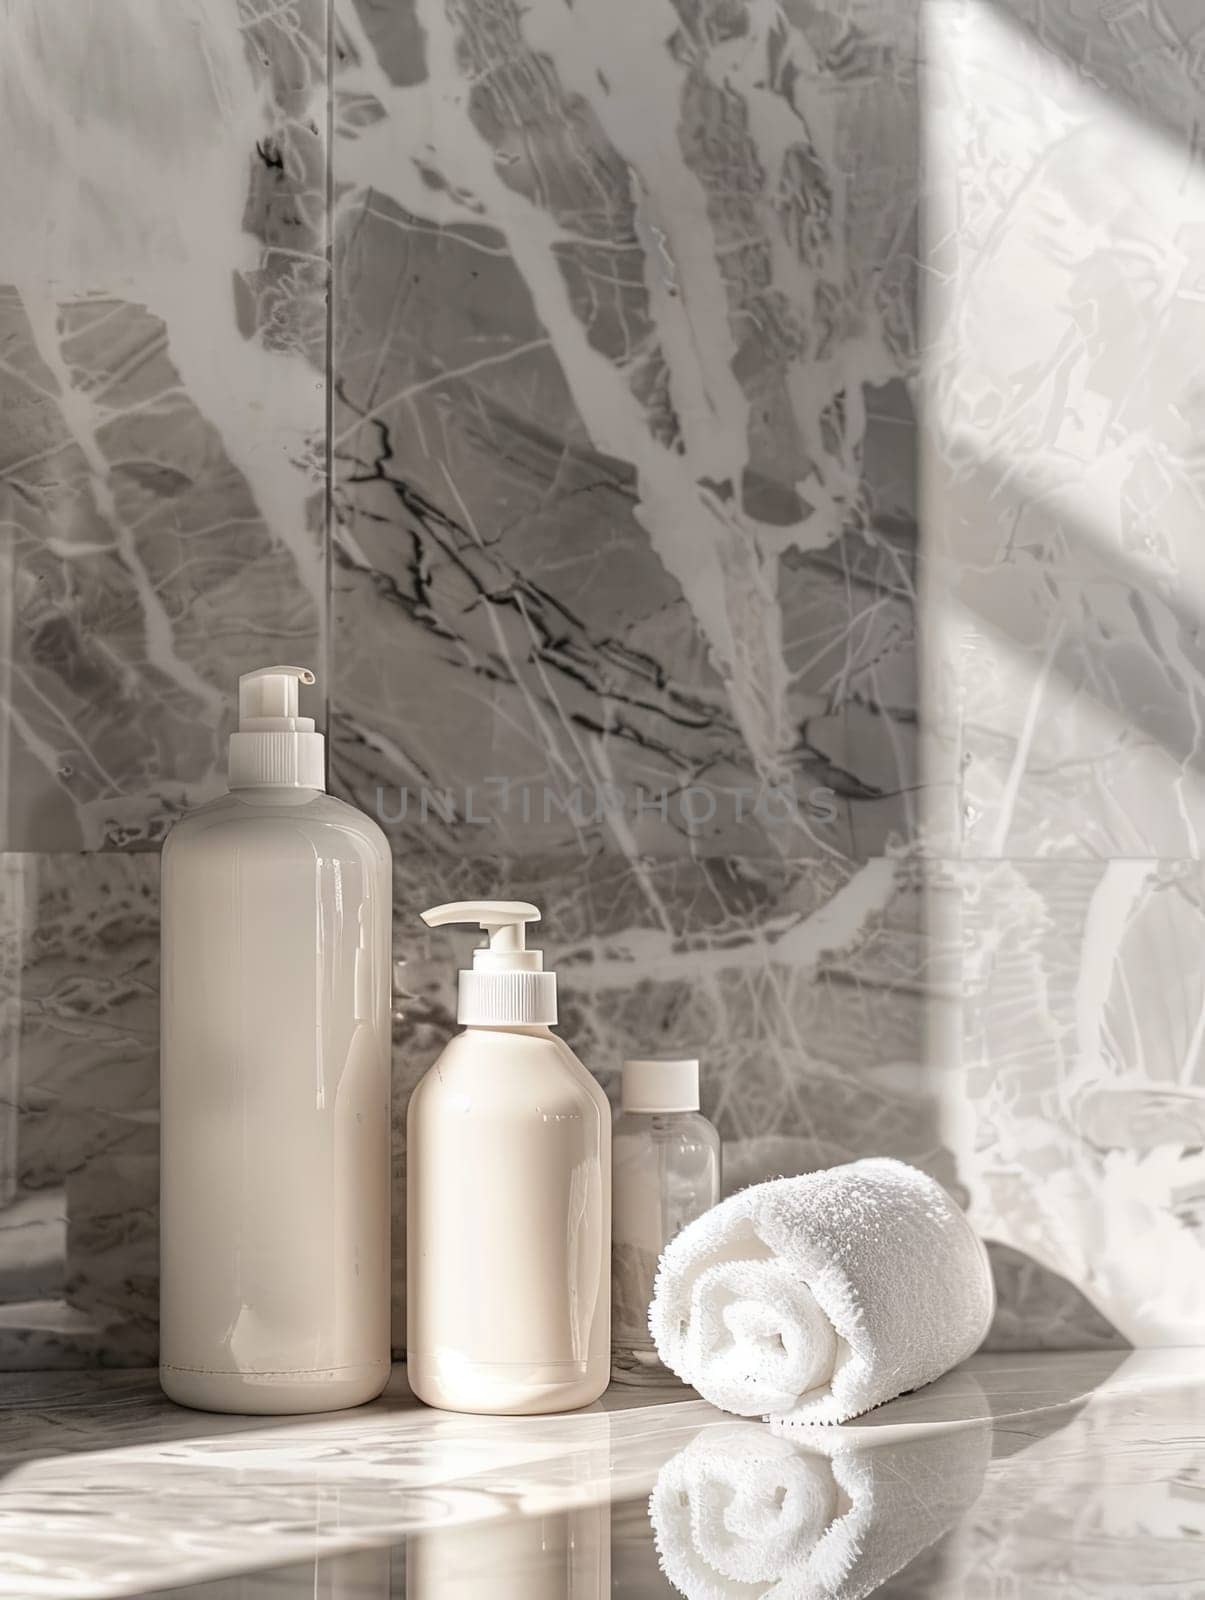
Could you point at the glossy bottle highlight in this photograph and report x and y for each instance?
(275, 1081)
(508, 1209)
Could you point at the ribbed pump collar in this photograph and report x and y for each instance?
(502, 999)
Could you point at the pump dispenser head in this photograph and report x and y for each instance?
(274, 747)
(507, 985)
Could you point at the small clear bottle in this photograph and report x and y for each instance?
(665, 1165)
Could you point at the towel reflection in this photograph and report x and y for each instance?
(743, 1512)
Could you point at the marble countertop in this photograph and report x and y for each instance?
(1070, 1474)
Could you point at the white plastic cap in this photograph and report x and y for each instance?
(507, 984)
(660, 1086)
(274, 746)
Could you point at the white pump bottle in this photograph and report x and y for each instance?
(275, 1081)
(508, 1208)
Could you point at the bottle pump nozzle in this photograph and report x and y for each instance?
(507, 983)
(267, 700)
(504, 921)
(274, 747)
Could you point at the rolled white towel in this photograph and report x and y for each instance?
(740, 1511)
(825, 1295)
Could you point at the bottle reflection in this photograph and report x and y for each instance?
(559, 1555)
(549, 1534)
(346, 1575)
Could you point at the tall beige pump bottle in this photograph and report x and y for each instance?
(508, 1195)
(275, 1081)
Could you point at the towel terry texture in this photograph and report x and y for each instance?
(741, 1511)
(824, 1295)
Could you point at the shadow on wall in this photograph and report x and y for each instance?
(1038, 1309)
(1105, 629)
(1147, 62)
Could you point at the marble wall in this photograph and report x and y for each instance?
(163, 330)
(591, 496)
(624, 546)
(1064, 620)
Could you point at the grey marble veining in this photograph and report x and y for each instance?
(79, 1238)
(801, 986)
(624, 560)
(162, 340)
(619, 599)
(835, 984)
(163, 324)
(1045, 1474)
(622, 436)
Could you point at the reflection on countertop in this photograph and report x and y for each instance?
(1049, 1474)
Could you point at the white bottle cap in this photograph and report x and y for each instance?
(507, 985)
(660, 1086)
(274, 747)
